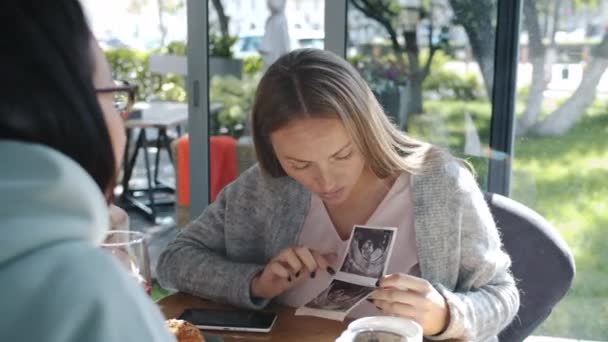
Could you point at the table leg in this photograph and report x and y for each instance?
(157, 158)
(148, 173)
(167, 144)
(125, 163)
(130, 165)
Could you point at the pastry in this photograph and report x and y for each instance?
(184, 331)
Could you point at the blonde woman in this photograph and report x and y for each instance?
(330, 159)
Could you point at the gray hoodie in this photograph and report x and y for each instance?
(458, 245)
(55, 284)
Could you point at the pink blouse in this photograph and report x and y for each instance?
(319, 233)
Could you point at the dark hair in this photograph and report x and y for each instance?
(47, 94)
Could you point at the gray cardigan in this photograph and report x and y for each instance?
(459, 248)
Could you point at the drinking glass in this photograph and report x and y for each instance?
(131, 251)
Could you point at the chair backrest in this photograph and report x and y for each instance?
(223, 166)
(541, 263)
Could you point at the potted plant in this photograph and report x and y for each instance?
(387, 81)
(221, 61)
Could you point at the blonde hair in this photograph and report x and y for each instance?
(315, 83)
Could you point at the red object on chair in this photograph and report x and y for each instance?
(222, 166)
(182, 172)
(222, 163)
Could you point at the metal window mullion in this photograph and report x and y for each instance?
(198, 105)
(335, 26)
(503, 95)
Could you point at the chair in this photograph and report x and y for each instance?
(541, 263)
(223, 169)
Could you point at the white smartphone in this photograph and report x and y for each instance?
(225, 320)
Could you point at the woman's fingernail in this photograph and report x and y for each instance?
(378, 283)
(297, 274)
(289, 278)
(379, 308)
(370, 300)
(313, 274)
(330, 270)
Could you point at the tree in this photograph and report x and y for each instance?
(475, 16)
(566, 115)
(222, 17)
(163, 6)
(166, 6)
(387, 14)
(537, 55)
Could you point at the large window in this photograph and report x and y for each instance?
(430, 64)
(145, 45)
(560, 163)
(241, 46)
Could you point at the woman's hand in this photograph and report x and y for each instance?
(414, 298)
(289, 268)
(119, 220)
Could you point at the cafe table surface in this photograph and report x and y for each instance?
(288, 327)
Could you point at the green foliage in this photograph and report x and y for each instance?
(382, 72)
(236, 97)
(252, 65)
(450, 85)
(132, 66)
(221, 46)
(564, 179)
(174, 48)
(439, 59)
(447, 84)
(444, 122)
(578, 4)
(523, 92)
(568, 175)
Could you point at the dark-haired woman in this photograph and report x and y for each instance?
(60, 142)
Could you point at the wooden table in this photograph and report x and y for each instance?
(287, 327)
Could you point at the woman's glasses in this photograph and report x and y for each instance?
(123, 94)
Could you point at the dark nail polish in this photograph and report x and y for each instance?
(298, 274)
(313, 274)
(379, 308)
(378, 283)
(289, 278)
(370, 300)
(331, 270)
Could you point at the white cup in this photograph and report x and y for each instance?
(382, 329)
